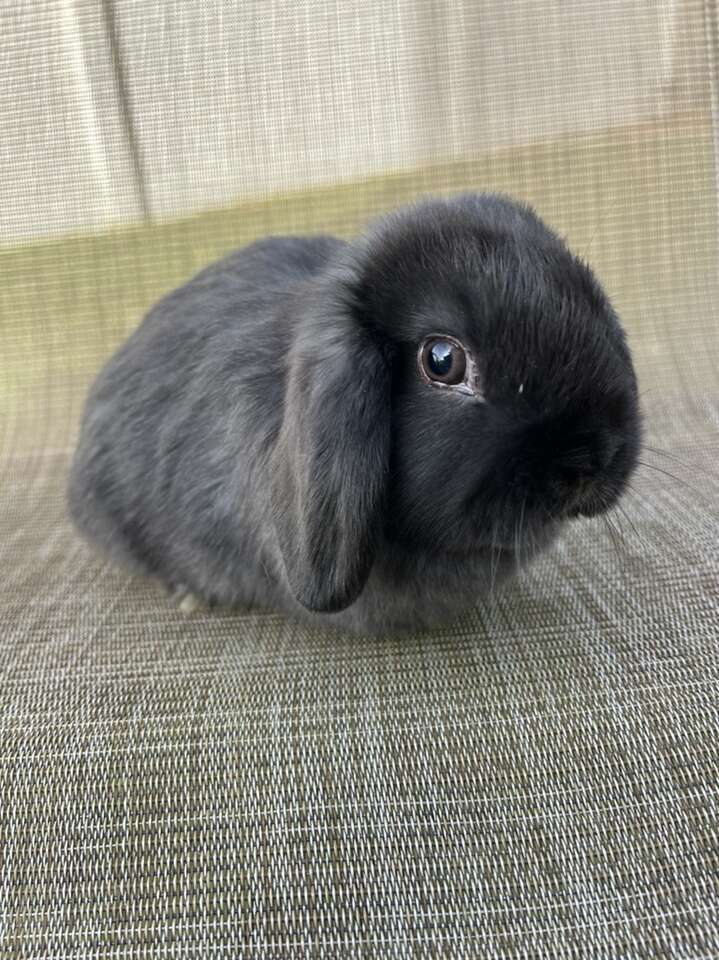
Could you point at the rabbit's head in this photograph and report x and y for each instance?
(458, 384)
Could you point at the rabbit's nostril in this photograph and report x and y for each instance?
(583, 467)
(571, 476)
(577, 476)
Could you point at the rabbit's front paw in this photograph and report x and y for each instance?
(188, 604)
(182, 598)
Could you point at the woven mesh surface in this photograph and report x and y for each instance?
(539, 780)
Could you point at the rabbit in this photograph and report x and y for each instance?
(366, 435)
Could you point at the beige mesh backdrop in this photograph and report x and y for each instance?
(541, 779)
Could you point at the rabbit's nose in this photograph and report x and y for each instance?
(579, 467)
(578, 475)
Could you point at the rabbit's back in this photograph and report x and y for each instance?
(178, 419)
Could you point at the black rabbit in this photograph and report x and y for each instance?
(366, 434)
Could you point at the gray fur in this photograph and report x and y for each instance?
(264, 438)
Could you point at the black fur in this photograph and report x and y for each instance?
(265, 438)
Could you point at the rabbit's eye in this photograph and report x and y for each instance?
(443, 361)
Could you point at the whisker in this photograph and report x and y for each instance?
(631, 523)
(614, 521)
(634, 491)
(493, 562)
(666, 453)
(687, 464)
(666, 532)
(672, 476)
(667, 473)
(587, 249)
(517, 537)
(612, 537)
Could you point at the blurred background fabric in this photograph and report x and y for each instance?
(540, 779)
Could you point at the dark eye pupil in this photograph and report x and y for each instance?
(443, 361)
(439, 358)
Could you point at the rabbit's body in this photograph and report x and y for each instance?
(163, 480)
(198, 465)
(186, 500)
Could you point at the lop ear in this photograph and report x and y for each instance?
(330, 463)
